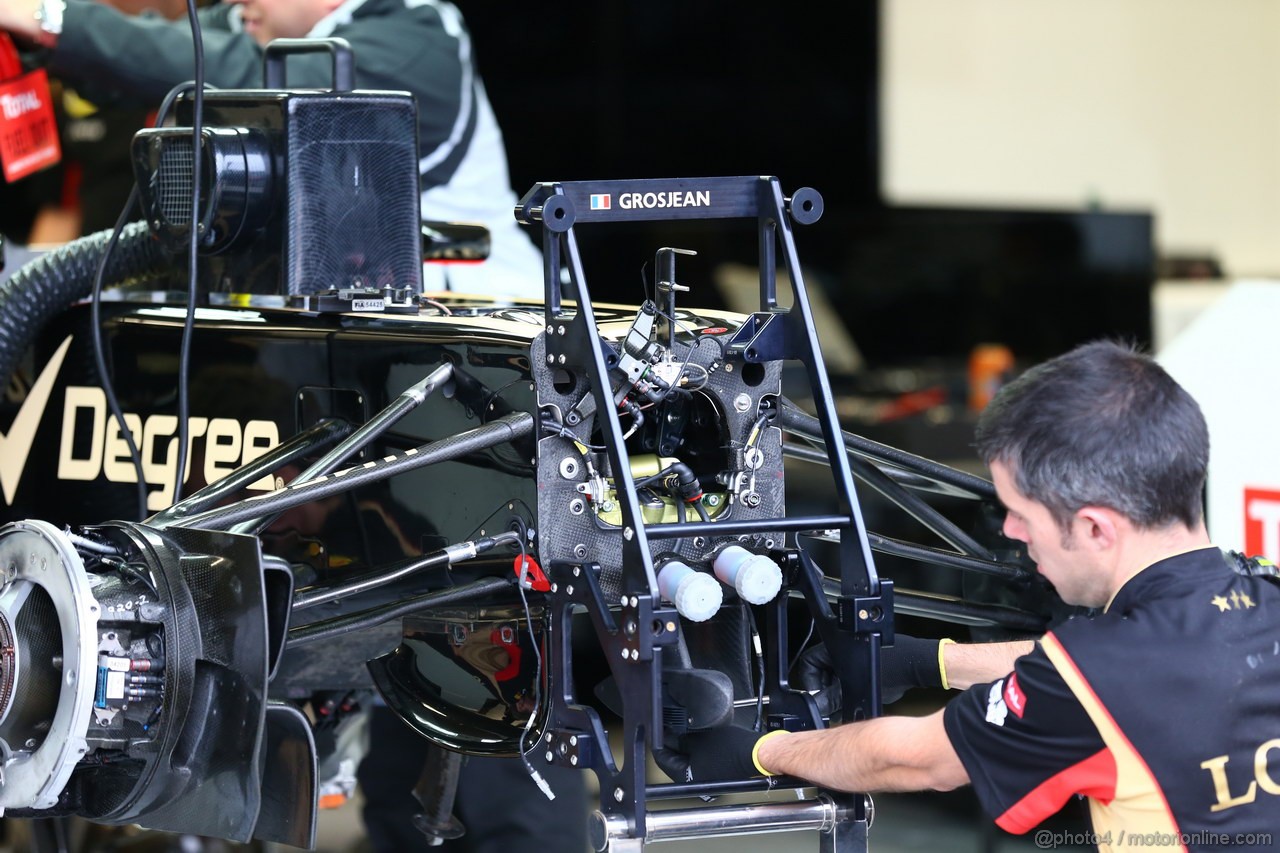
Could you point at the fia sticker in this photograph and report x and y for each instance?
(28, 133)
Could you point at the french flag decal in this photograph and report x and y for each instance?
(601, 201)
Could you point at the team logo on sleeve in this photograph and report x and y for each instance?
(1014, 699)
(997, 710)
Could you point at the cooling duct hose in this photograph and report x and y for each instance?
(50, 284)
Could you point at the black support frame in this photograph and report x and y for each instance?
(634, 630)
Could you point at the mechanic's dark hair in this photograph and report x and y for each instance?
(1101, 425)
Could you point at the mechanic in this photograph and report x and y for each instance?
(417, 45)
(1160, 707)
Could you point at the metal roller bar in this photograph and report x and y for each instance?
(821, 815)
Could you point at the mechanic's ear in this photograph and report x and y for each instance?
(1098, 526)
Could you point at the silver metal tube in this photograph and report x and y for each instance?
(499, 431)
(402, 405)
(448, 555)
(820, 814)
(408, 400)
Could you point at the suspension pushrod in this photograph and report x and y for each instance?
(964, 562)
(792, 419)
(501, 431)
(936, 556)
(916, 507)
(909, 479)
(406, 402)
(900, 488)
(950, 609)
(317, 435)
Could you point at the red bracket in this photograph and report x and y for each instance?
(534, 578)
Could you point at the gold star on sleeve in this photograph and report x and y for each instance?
(1235, 599)
(1246, 601)
(1221, 603)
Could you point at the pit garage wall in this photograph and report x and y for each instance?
(1228, 357)
(1161, 105)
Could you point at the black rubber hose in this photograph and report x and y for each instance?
(53, 282)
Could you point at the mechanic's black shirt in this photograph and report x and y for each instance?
(1164, 711)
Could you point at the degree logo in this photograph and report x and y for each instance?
(601, 201)
(16, 446)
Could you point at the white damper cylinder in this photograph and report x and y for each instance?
(754, 577)
(695, 594)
